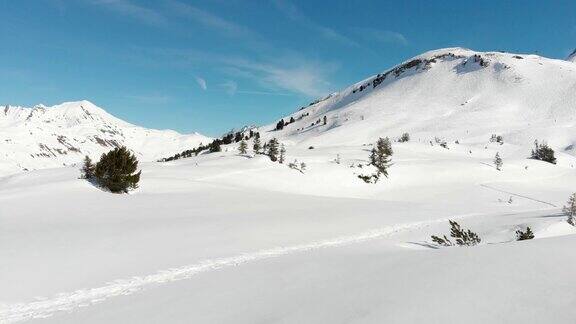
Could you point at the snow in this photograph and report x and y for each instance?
(227, 238)
(48, 137)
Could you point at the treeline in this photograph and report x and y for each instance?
(214, 146)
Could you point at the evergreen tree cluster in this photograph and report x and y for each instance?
(280, 125)
(497, 139)
(462, 237)
(214, 146)
(116, 170)
(543, 152)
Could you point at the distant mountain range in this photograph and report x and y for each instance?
(45, 137)
(452, 94)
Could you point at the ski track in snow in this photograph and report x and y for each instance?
(46, 307)
(518, 195)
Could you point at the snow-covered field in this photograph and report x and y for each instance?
(226, 238)
(229, 238)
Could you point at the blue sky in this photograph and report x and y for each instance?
(210, 66)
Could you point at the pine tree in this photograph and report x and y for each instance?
(463, 237)
(325, 120)
(570, 210)
(302, 166)
(404, 138)
(273, 149)
(256, 146)
(282, 155)
(543, 152)
(242, 148)
(116, 170)
(215, 146)
(380, 158)
(527, 235)
(88, 168)
(498, 162)
(280, 124)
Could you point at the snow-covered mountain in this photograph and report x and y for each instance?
(454, 93)
(44, 137)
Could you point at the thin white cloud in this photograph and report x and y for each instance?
(208, 19)
(129, 8)
(292, 74)
(150, 99)
(202, 83)
(230, 87)
(293, 13)
(382, 36)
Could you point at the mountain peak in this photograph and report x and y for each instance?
(41, 136)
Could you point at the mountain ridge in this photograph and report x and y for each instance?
(44, 137)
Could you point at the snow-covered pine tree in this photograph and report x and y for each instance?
(243, 147)
(88, 168)
(543, 152)
(570, 210)
(498, 161)
(527, 235)
(273, 149)
(256, 146)
(381, 159)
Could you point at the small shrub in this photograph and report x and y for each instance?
(543, 152)
(526, 235)
(243, 147)
(462, 237)
(404, 138)
(570, 210)
(498, 162)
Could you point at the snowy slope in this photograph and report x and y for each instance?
(44, 137)
(230, 238)
(455, 94)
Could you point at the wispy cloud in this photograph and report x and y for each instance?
(287, 72)
(230, 87)
(291, 74)
(294, 13)
(208, 19)
(150, 99)
(382, 36)
(202, 83)
(131, 9)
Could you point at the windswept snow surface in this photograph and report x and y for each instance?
(231, 239)
(225, 238)
(49, 137)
